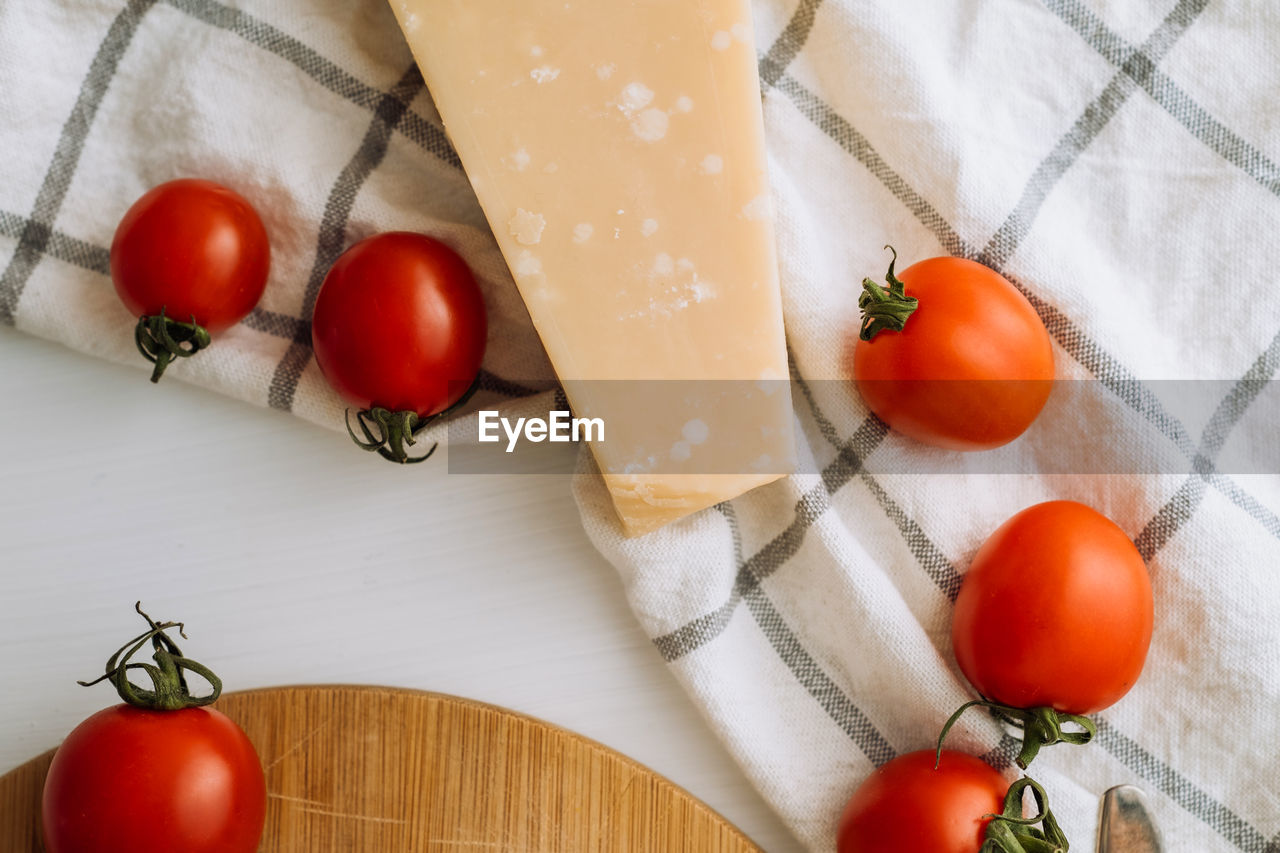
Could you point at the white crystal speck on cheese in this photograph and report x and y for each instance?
(681, 451)
(721, 40)
(650, 125)
(649, 227)
(757, 208)
(528, 264)
(582, 232)
(520, 159)
(635, 96)
(684, 104)
(696, 431)
(604, 72)
(713, 164)
(526, 227)
(544, 74)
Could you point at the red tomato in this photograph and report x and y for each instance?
(1055, 611)
(129, 780)
(192, 249)
(972, 366)
(907, 805)
(400, 324)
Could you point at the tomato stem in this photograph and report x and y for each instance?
(161, 339)
(1010, 832)
(170, 691)
(386, 432)
(1040, 727)
(885, 307)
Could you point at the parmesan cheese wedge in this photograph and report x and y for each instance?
(617, 149)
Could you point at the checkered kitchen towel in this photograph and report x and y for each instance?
(1115, 159)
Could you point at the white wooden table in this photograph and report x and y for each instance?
(294, 558)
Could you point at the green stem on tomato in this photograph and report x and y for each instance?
(1010, 832)
(1040, 727)
(169, 683)
(161, 339)
(885, 307)
(386, 432)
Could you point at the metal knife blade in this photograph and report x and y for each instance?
(1125, 825)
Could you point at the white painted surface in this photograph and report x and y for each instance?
(294, 558)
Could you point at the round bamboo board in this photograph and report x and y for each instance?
(378, 770)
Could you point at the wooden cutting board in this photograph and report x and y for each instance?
(378, 770)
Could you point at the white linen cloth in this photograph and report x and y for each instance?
(1118, 161)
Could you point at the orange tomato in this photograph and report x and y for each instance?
(972, 365)
(908, 805)
(1055, 611)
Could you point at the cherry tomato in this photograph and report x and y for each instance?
(972, 365)
(1055, 611)
(400, 324)
(129, 780)
(191, 248)
(907, 805)
(161, 774)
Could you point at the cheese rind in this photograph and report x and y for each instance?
(617, 149)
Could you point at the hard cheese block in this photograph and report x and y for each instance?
(617, 149)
